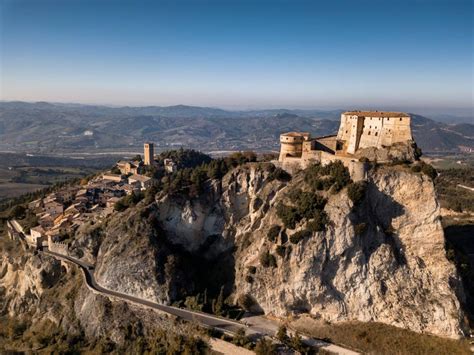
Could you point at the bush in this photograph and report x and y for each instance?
(416, 168)
(281, 250)
(356, 191)
(280, 175)
(336, 176)
(300, 235)
(319, 222)
(273, 233)
(240, 339)
(282, 334)
(267, 259)
(265, 347)
(428, 170)
(288, 215)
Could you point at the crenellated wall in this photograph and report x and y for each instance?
(57, 247)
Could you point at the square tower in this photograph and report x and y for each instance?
(149, 153)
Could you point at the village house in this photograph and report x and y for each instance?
(170, 165)
(141, 181)
(37, 236)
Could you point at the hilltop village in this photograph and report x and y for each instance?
(60, 213)
(361, 133)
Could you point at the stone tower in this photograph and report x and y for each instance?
(149, 153)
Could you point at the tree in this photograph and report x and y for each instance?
(265, 347)
(282, 334)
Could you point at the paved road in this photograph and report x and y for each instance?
(220, 323)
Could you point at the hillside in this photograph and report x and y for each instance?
(55, 128)
(225, 237)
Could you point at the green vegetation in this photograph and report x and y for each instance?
(307, 205)
(378, 338)
(331, 176)
(425, 168)
(273, 233)
(129, 200)
(267, 259)
(451, 195)
(265, 347)
(319, 222)
(300, 235)
(281, 250)
(356, 191)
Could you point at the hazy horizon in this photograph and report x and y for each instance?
(239, 54)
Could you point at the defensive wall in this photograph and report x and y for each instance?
(57, 247)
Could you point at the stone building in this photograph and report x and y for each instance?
(358, 132)
(363, 129)
(149, 153)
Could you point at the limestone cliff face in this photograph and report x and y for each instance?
(394, 271)
(23, 280)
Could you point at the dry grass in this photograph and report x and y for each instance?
(380, 338)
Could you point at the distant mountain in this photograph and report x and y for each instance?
(51, 128)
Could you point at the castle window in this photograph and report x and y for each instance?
(376, 133)
(346, 131)
(369, 133)
(400, 118)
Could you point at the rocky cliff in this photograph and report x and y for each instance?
(382, 260)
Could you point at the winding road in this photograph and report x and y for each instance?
(208, 320)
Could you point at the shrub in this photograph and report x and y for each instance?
(356, 191)
(319, 222)
(273, 233)
(282, 334)
(281, 250)
(360, 228)
(428, 170)
(288, 215)
(265, 347)
(300, 235)
(240, 339)
(416, 168)
(267, 259)
(280, 175)
(337, 176)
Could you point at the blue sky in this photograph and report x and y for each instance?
(239, 54)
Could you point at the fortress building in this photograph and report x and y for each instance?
(149, 153)
(364, 129)
(373, 135)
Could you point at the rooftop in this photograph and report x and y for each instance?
(296, 134)
(377, 114)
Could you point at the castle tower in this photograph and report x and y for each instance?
(149, 153)
(292, 144)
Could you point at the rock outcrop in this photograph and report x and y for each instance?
(393, 270)
(382, 260)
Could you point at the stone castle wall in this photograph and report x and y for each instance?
(58, 247)
(359, 131)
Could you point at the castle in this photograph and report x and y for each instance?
(360, 134)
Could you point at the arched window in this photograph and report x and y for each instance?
(369, 133)
(376, 133)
